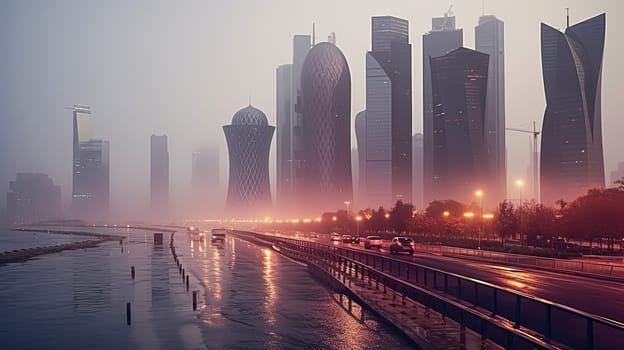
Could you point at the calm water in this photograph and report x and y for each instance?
(250, 297)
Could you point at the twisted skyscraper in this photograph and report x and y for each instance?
(571, 153)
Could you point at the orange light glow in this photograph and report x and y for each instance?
(469, 215)
(446, 214)
(488, 216)
(358, 218)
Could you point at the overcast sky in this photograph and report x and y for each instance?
(182, 68)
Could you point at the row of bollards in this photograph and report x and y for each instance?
(181, 270)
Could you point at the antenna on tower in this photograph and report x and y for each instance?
(313, 35)
(483, 8)
(567, 17)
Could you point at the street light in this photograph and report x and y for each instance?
(479, 194)
(520, 185)
(446, 214)
(357, 225)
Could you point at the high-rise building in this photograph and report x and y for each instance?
(417, 171)
(489, 39)
(360, 136)
(283, 134)
(205, 171)
(617, 174)
(442, 38)
(249, 142)
(571, 150)
(91, 174)
(459, 86)
(159, 175)
(289, 140)
(33, 198)
(326, 102)
(388, 113)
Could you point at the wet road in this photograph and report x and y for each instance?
(600, 297)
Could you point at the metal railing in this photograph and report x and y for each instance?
(555, 322)
(601, 269)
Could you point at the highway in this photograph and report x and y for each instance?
(599, 297)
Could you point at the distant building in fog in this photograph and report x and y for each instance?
(459, 86)
(490, 39)
(159, 175)
(249, 141)
(326, 102)
(360, 136)
(205, 170)
(571, 154)
(91, 173)
(442, 38)
(388, 164)
(33, 198)
(617, 174)
(417, 171)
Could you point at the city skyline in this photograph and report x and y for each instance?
(190, 139)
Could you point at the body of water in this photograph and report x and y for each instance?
(250, 298)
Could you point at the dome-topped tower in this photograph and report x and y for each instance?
(250, 116)
(249, 142)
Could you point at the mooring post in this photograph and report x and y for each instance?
(194, 300)
(128, 314)
(132, 271)
(187, 283)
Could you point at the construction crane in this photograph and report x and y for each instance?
(535, 133)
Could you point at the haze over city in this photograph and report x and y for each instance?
(160, 68)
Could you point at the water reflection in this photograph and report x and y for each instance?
(270, 295)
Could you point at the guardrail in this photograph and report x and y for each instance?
(347, 270)
(551, 321)
(601, 269)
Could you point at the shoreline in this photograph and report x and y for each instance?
(25, 254)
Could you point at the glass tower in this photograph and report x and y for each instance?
(571, 151)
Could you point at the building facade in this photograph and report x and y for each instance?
(91, 173)
(389, 114)
(571, 151)
(159, 175)
(459, 86)
(417, 171)
(490, 39)
(443, 38)
(326, 105)
(283, 110)
(33, 198)
(249, 142)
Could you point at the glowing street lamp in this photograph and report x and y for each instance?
(387, 215)
(357, 225)
(334, 218)
(446, 214)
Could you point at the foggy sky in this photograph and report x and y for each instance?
(184, 68)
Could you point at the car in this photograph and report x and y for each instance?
(372, 242)
(334, 236)
(402, 245)
(356, 239)
(347, 239)
(218, 235)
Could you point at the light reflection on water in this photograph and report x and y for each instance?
(255, 298)
(251, 298)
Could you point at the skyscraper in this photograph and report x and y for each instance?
(159, 175)
(205, 197)
(249, 141)
(389, 113)
(290, 126)
(442, 38)
(489, 39)
(571, 150)
(33, 198)
(91, 182)
(417, 170)
(459, 85)
(326, 102)
(283, 134)
(360, 135)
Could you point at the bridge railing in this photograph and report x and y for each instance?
(552, 321)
